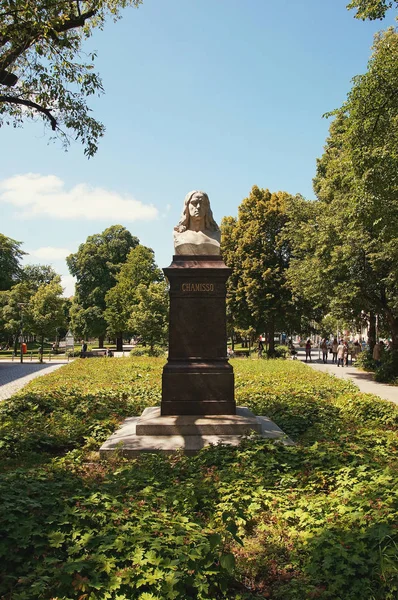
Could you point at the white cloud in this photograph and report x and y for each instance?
(36, 195)
(68, 283)
(49, 253)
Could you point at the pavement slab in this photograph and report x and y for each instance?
(14, 376)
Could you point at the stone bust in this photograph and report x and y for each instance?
(197, 232)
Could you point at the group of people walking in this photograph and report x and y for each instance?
(339, 350)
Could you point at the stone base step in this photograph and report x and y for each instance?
(182, 435)
(152, 423)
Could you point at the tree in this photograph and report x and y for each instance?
(14, 317)
(149, 316)
(139, 269)
(42, 69)
(258, 295)
(46, 310)
(371, 9)
(354, 254)
(10, 256)
(37, 275)
(95, 266)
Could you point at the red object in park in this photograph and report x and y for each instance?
(24, 348)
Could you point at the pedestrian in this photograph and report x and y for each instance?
(292, 350)
(377, 354)
(83, 349)
(260, 348)
(345, 355)
(308, 350)
(340, 354)
(335, 345)
(324, 348)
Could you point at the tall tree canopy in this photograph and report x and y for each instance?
(43, 70)
(259, 256)
(46, 310)
(10, 256)
(95, 266)
(37, 275)
(371, 9)
(350, 250)
(149, 316)
(139, 269)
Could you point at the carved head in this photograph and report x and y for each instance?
(205, 209)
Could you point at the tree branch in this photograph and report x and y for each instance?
(34, 33)
(30, 104)
(75, 22)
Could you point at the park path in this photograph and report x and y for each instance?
(13, 375)
(363, 380)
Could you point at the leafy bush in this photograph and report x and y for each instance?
(157, 351)
(365, 361)
(264, 520)
(386, 372)
(279, 352)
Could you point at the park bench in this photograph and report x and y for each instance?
(241, 354)
(93, 353)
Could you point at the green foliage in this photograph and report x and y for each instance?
(10, 256)
(41, 45)
(37, 275)
(314, 520)
(149, 317)
(346, 258)
(148, 351)
(139, 269)
(83, 402)
(386, 372)
(95, 266)
(371, 9)
(259, 256)
(365, 361)
(46, 309)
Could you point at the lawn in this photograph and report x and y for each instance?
(314, 520)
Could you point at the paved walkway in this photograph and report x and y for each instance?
(363, 380)
(13, 375)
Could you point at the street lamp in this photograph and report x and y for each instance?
(21, 305)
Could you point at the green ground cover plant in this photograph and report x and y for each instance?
(386, 372)
(265, 520)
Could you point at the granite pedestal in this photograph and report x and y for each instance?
(197, 379)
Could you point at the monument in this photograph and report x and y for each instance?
(198, 405)
(197, 379)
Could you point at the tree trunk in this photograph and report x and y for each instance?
(372, 330)
(101, 341)
(393, 327)
(271, 339)
(233, 340)
(119, 342)
(15, 345)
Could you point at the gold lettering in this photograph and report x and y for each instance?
(197, 287)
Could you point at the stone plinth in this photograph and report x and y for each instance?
(152, 432)
(197, 379)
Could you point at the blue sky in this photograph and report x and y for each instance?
(216, 95)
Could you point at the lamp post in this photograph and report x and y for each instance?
(21, 305)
